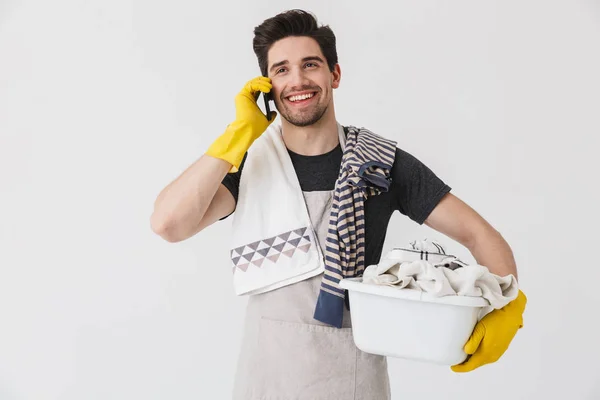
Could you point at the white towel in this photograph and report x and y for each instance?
(436, 278)
(273, 242)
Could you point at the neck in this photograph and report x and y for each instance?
(312, 140)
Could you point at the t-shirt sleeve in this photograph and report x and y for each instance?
(418, 190)
(232, 182)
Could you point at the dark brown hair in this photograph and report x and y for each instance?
(293, 23)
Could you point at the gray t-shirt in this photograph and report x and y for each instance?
(415, 191)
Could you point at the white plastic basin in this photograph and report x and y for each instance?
(411, 324)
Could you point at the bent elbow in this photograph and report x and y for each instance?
(164, 228)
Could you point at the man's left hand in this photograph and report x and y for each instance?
(493, 334)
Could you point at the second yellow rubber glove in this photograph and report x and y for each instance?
(249, 124)
(493, 334)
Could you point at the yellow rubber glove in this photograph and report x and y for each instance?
(493, 334)
(249, 124)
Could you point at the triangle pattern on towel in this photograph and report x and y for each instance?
(269, 250)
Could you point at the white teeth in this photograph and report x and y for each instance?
(301, 97)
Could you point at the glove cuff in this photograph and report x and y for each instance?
(233, 144)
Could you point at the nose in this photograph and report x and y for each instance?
(298, 79)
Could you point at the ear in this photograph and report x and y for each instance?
(336, 76)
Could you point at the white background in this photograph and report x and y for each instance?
(103, 103)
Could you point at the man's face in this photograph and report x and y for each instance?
(302, 83)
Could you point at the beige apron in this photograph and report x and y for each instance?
(287, 355)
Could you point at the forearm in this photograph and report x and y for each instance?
(491, 250)
(180, 206)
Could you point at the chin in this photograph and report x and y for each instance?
(303, 121)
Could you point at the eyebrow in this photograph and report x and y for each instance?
(305, 59)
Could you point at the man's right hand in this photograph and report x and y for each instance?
(249, 124)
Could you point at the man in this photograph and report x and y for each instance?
(287, 352)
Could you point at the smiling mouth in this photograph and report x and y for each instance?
(301, 98)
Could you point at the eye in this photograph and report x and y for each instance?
(279, 70)
(310, 63)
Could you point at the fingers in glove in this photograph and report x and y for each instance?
(254, 89)
(475, 340)
(260, 83)
(475, 361)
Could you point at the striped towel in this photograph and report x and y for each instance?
(365, 171)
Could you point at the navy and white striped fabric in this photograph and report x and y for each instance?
(365, 171)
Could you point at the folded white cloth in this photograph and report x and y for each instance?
(444, 276)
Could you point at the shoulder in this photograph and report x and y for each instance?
(402, 158)
(405, 164)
